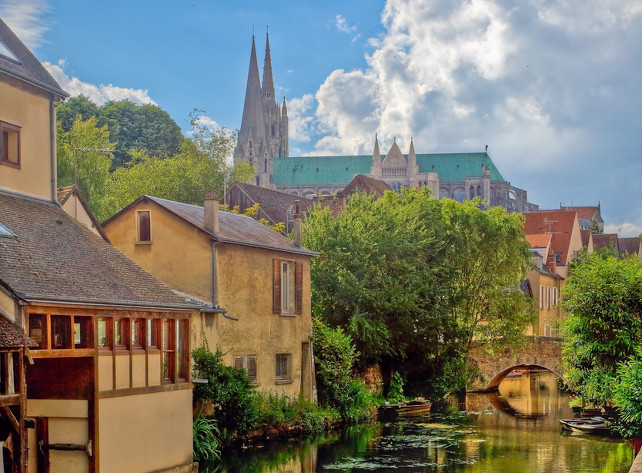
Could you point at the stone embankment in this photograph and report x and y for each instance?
(637, 465)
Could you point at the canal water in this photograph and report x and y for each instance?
(513, 431)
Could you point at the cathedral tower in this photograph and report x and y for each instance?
(264, 127)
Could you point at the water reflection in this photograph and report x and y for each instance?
(513, 430)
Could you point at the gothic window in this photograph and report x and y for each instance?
(272, 130)
(472, 192)
(478, 190)
(265, 166)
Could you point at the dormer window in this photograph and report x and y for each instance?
(5, 232)
(9, 145)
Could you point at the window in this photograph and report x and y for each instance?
(38, 329)
(5, 232)
(283, 368)
(288, 287)
(541, 297)
(60, 332)
(120, 333)
(104, 328)
(144, 225)
(152, 333)
(137, 333)
(168, 339)
(83, 333)
(247, 363)
(9, 145)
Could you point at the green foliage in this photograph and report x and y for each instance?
(603, 300)
(68, 111)
(396, 389)
(84, 157)
(279, 409)
(140, 127)
(627, 393)
(236, 403)
(205, 437)
(335, 356)
(410, 275)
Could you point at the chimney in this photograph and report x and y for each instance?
(210, 203)
(552, 263)
(297, 223)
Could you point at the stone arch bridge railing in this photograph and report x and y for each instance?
(538, 352)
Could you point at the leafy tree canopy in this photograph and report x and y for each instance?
(410, 275)
(603, 300)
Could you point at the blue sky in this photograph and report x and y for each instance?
(552, 86)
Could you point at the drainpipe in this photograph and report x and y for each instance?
(52, 148)
(297, 223)
(210, 209)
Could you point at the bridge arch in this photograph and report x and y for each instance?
(539, 352)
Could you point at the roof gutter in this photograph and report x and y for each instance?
(65, 301)
(57, 92)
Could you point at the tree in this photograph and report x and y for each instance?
(411, 276)
(200, 166)
(603, 300)
(84, 158)
(140, 127)
(68, 111)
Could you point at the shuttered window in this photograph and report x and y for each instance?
(144, 225)
(288, 287)
(283, 367)
(247, 363)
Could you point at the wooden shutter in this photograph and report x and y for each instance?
(276, 290)
(251, 367)
(298, 287)
(238, 362)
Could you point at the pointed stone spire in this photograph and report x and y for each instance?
(412, 157)
(252, 122)
(268, 81)
(284, 109)
(376, 154)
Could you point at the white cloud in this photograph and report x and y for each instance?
(341, 24)
(550, 85)
(208, 122)
(24, 19)
(624, 229)
(99, 94)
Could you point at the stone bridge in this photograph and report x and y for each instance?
(539, 352)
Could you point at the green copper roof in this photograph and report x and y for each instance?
(457, 166)
(319, 170)
(339, 170)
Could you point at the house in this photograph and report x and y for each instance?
(94, 350)
(252, 282)
(606, 240)
(564, 230)
(75, 205)
(588, 216)
(587, 240)
(546, 285)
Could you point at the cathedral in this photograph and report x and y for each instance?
(263, 143)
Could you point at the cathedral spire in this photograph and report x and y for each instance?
(252, 123)
(284, 109)
(268, 81)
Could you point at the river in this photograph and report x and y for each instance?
(513, 431)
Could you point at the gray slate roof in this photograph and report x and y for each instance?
(55, 258)
(28, 68)
(233, 228)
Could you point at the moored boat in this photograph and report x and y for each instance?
(592, 425)
(389, 412)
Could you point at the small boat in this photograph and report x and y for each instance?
(589, 425)
(388, 412)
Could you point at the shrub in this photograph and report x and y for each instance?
(334, 358)
(231, 392)
(627, 394)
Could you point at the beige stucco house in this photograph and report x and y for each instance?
(94, 350)
(253, 284)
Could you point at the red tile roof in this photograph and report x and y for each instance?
(540, 240)
(13, 336)
(629, 245)
(605, 240)
(560, 224)
(585, 213)
(586, 237)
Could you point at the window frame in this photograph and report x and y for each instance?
(279, 376)
(139, 235)
(249, 363)
(13, 130)
(295, 275)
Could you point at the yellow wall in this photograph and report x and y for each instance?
(548, 318)
(143, 433)
(187, 250)
(7, 306)
(106, 370)
(181, 257)
(24, 107)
